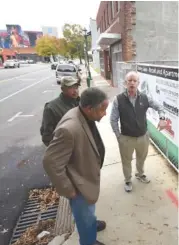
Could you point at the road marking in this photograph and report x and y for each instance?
(9, 79)
(27, 79)
(55, 85)
(26, 116)
(19, 114)
(16, 115)
(23, 89)
(47, 91)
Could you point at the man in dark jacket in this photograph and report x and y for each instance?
(130, 108)
(57, 108)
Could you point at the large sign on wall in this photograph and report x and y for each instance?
(161, 84)
(15, 37)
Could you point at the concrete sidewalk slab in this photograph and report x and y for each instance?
(144, 217)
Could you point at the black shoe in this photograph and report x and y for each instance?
(101, 225)
(99, 243)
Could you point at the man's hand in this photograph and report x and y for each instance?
(162, 125)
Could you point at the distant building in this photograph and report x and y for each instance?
(49, 30)
(17, 43)
(94, 47)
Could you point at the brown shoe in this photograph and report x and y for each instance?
(101, 225)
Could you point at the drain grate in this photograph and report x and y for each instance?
(31, 216)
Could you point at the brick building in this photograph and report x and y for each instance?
(139, 31)
(28, 53)
(6, 54)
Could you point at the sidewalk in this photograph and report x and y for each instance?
(147, 216)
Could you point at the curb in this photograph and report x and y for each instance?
(64, 221)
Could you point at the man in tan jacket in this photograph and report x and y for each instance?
(73, 161)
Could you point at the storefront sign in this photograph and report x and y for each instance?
(161, 84)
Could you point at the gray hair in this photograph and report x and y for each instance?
(92, 97)
(132, 73)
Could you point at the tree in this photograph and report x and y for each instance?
(74, 37)
(47, 46)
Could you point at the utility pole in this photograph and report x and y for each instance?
(86, 34)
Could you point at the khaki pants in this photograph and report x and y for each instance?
(127, 145)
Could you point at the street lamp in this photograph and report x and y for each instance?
(86, 34)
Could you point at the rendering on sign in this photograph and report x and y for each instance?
(161, 84)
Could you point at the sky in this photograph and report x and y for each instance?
(32, 15)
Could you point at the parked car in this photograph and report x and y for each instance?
(11, 64)
(23, 62)
(54, 65)
(30, 61)
(67, 70)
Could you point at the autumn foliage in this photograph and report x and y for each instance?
(47, 46)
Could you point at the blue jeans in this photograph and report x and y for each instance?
(85, 219)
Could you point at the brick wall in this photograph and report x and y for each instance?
(105, 21)
(127, 21)
(28, 50)
(122, 23)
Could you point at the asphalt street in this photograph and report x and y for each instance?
(23, 93)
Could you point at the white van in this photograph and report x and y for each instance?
(67, 70)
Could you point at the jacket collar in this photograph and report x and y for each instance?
(127, 94)
(84, 121)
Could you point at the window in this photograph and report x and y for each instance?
(113, 9)
(117, 6)
(107, 13)
(102, 29)
(112, 16)
(66, 68)
(104, 20)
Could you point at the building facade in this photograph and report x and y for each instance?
(130, 32)
(50, 30)
(16, 43)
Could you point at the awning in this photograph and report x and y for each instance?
(108, 38)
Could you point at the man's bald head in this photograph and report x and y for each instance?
(132, 82)
(132, 74)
